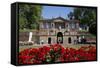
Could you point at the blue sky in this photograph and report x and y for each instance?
(55, 11)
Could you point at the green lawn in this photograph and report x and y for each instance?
(21, 48)
(26, 30)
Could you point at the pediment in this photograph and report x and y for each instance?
(58, 20)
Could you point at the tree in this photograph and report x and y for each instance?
(93, 29)
(85, 16)
(70, 15)
(29, 16)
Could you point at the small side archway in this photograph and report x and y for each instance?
(69, 40)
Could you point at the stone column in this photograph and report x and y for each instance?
(68, 28)
(30, 37)
(77, 26)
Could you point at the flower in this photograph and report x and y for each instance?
(56, 53)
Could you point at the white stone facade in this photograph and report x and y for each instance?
(50, 28)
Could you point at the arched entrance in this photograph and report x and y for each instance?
(69, 40)
(59, 38)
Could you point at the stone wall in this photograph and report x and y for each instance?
(23, 36)
(42, 35)
(54, 39)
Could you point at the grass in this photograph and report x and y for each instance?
(21, 48)
(26, 30)
(90, 36)
(83, 31)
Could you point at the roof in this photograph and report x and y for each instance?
(59, 18)
(76, 21)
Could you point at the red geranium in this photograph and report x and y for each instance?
(56, 53)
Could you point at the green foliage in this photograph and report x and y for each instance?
(35, 26)
(70, 15)
(85, 16)
(93, 29)
(29, 16)
(22, 22)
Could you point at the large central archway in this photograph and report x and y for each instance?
(59, 38)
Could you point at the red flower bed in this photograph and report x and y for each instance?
(56, 53)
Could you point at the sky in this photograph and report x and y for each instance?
(49, 12)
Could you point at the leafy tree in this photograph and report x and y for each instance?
(22, 22)
(93, 29)
(85, 16)
(29, 16)
(70, 15)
